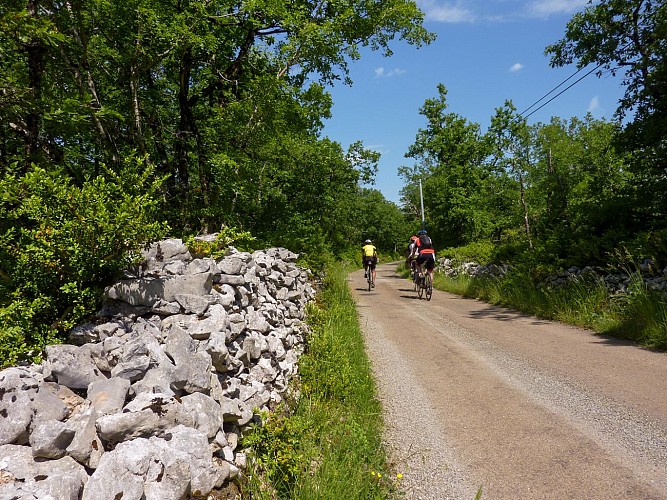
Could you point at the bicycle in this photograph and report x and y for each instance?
(415, 280)
(429, 285)
(369, 278)
(425, 286)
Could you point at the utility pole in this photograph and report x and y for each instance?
(421, 199)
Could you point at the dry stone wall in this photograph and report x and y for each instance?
(150, 401)
(617, 283)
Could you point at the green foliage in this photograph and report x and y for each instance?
(478, 251)
(640, 315)
(448, 154)
(557, 194)
(226, 237)
(227, 99)
(23, 335)
(327, 443)
(627, 36)
(61, 244)
(379, 220)
(275, 444)
(643, 318)
(224, 101)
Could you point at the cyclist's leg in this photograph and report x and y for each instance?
(373, 263)
(419, 261)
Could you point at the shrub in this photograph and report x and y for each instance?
(60, 244)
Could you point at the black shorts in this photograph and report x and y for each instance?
(428, 259)
(369, 262)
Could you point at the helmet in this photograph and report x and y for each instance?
(367, 241)
(421, 231)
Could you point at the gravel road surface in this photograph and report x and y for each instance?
(477, 396)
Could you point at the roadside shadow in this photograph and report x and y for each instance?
(613, 339)
(608, 340)
(499, 313)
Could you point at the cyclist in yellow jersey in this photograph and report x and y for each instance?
(370, 258)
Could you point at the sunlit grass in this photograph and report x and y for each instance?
(640, 315)
(327, 442)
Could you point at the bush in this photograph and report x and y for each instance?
(60, 244)
(241, 240)
(479, 251)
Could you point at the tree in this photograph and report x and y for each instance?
(509, 138)
(448, 154)
(380, 220)
(223, 101)
(104, 79)
(557, 191)
(577, 191)
(628, 36)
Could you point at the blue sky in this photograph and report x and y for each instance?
(486, 52)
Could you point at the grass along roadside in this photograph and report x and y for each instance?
(639, 316)
(325, 441)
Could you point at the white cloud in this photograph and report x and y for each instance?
(516, 67)
(446, 12)
(380, 72)
(594, 105)
(545, 8)
(380, 148)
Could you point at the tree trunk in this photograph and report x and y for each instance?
(35, 52)
(184, 132)
(525, 209)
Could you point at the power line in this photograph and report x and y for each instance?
(567, 88)
(559, 93)
(552, 90)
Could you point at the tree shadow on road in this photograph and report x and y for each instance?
(503, 314)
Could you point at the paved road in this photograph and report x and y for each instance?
(480, 396)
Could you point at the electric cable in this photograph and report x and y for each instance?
(564, 90)
(559, 93)
(551, 91)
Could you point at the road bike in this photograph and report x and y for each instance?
(425, 286)
(415, 277)
(369, 277)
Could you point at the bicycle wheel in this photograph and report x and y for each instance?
(420, 287)
(370, 280)
(415, 280)
(429, 286)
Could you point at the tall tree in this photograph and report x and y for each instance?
(628, 36)
(448, 155)
(509, 137)
(108, 78)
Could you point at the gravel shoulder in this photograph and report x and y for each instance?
(477, 396)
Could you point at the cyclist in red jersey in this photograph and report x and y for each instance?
(411, 253)
(425, 253)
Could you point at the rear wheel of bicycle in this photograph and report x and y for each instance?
(429, 286)
(420, 287)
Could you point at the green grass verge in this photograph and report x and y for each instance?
(639, 316)
(325, 442)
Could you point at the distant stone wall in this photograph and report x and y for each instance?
(616, 282)
(151, 400)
